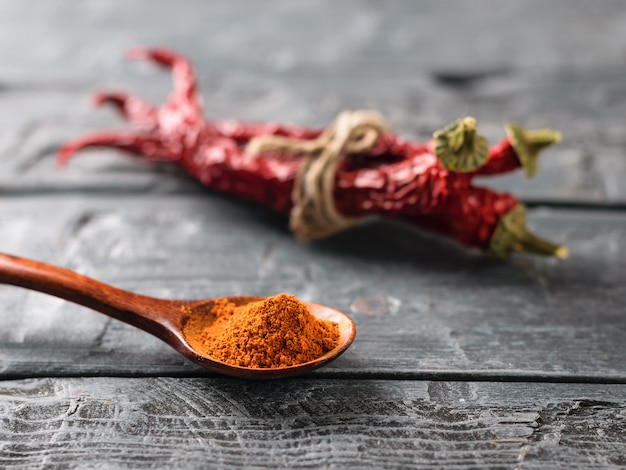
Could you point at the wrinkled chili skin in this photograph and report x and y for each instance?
(396, 179)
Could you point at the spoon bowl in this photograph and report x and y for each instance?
(346, 336)
(166, 319)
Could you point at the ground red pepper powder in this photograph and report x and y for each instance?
(275, 332)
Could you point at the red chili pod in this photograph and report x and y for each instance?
(328, 179)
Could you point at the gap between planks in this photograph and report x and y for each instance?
(434, 376)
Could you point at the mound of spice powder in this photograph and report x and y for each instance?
(274, 332)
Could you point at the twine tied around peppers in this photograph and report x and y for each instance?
(314, 214)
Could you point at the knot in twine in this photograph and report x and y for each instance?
(314, 214)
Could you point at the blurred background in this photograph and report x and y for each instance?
(421, 64)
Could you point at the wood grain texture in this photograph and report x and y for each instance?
(71, 395)
(185, 423)
(422, 305)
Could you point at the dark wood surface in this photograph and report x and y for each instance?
(460, 361)
(190, 423)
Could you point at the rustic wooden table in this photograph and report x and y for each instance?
(460, 361)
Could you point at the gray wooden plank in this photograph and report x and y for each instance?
(326, 58)
(186, 423)
(282, 37)
(422, 304)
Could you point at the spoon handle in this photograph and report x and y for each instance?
(156, 316)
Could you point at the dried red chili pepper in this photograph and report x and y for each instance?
(367, 171)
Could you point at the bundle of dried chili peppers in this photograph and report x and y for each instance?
(329, 179)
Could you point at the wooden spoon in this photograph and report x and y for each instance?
(162, 318)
